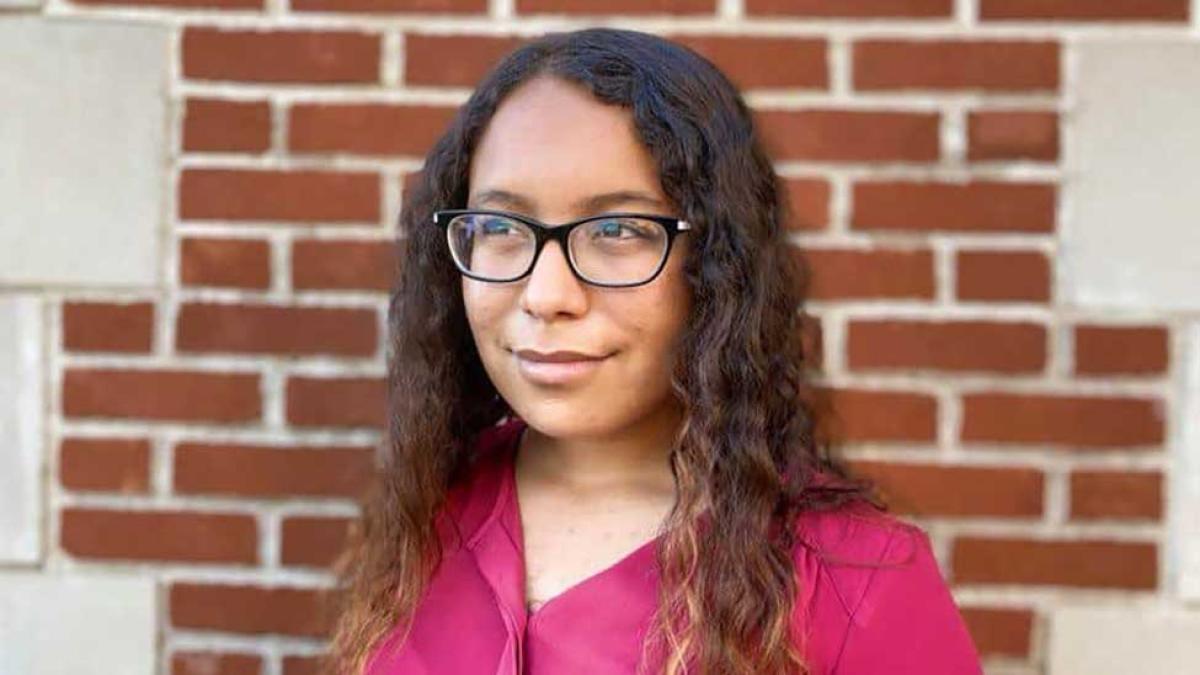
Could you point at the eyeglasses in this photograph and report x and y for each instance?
(613, 250)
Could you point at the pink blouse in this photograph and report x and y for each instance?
(897, 618)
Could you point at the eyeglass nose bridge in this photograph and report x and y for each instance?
(543, 233)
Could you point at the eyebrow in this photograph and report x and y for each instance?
(596, 202)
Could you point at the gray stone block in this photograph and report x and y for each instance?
(1123, 640)
(83, 624)
(83, 155)
(1185, 474)
(1131, 238)
(21, 429)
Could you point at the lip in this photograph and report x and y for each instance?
(558, 367)
(560, 356)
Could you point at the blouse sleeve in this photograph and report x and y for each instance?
(906, 621)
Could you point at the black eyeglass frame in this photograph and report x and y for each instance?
(543, 233)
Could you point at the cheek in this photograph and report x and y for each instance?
(675, 295)
(485, 307)
(655, 320)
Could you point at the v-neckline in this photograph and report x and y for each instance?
(512, 506)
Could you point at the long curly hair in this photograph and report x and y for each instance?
(748, 455)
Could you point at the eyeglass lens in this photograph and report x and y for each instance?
(619, 250)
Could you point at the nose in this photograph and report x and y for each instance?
(551, 288)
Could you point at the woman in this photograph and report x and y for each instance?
(601, 458)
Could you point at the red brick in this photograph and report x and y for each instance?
(1121, 350)
(107, 464)
(215, 663)
(1116, 494)
(408, 181)
(999, 631)
(763, 61)
(367, 128)
(178, 4)
(313, 541)
(283, 56)
(976, 206)
(179, 395)
(1084, 10)
(678, 7)
(392, 6)
(859, 415)
(108, 326)
(1091, 421)
(215, 125)
(956, 491)
(298, 664)
(1001, 347)
(288, 195)
(270, 329)
(1074, 563)
(336, 402)
(990, 65)
(176, 536)
(908, 9)
(264, 471)
(230, 263)
(757, 62)
(367, 265)
(808, 201)
(247, 609)
(849, 135)
(1012, 134)
(1002, 276)
(852, 274)
(426, 62)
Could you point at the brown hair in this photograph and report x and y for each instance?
(747, 449)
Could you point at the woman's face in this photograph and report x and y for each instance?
(554, 146)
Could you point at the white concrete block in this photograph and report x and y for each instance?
(1123, 640)
(83, 624)
(21, 429)
(1130, 239)
(83, 151)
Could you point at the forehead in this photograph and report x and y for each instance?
(500, 198)
(553, 148)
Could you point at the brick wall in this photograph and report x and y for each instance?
(209, 430)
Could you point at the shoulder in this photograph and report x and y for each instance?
(843, 548)
(855, 531)
(871, 592)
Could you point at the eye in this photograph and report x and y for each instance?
(495, 226)
(613, 229)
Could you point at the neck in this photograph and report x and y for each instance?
(634, 459)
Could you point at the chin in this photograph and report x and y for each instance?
(562, 419)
